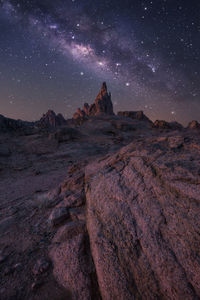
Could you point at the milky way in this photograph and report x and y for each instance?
(54, 54)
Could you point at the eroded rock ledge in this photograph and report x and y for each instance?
(133, 230)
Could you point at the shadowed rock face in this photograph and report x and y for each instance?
(7, 124)
(50, 119)
(102, 105)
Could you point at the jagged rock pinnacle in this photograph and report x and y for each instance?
(104, 87)
(102, 105)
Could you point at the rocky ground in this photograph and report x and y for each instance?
(105, 208)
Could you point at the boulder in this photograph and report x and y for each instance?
(73, 265)
(142, 218)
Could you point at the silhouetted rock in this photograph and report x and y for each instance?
(7, 124)
(50, 119)
(161, 124)
(194, 125)
(135, 115)
(102, 105)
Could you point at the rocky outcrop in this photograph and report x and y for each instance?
(135, 115)
(79, 114)
(109, 210)
(133, 227)
(161, 124)
(142, 220)
(194, 125)
(102, 105)
(7, 124)
(50, 119)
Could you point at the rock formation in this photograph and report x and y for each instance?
(102, 105)
(161, 124)
(106, 210)
(141, 218)
(8, 124)
(50, 119)
(135, 115)
(194, 125)
(80, 114)
(140, 207)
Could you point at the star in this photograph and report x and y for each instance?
(139, 57)
(54, 26)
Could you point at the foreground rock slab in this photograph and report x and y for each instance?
(143, 222)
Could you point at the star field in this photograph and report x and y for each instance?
(55, 54)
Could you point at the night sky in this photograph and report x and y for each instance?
(55, 55)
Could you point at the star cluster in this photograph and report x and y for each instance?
(54, 54)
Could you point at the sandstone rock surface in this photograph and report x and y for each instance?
(143, 222)
(124, 202)
(135, 235)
